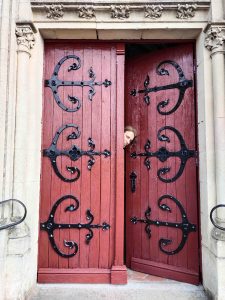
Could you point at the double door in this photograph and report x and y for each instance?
(82, 212)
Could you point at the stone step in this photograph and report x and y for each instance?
(140, 287)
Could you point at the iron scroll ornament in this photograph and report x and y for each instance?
(182, 85)
(185, 225)
(211, 216)
(74, 153)
(163, 154)
(50, 226)
(54, 83)
(19, 220)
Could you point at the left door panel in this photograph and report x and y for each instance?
(76, 238)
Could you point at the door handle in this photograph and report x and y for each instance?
(133, 177)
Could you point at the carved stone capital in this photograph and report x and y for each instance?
(186, 11)
(54, 11)
(153, 11)
(214, 38)
(25, 37)
(120, 11)
(86, 12)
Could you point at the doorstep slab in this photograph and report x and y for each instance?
(140, 287)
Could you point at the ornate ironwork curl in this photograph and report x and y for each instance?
(211, 216)
(74, 153)
(54, 83)
(185, 225)
(182, 85)
(163, 154)
(20, 220)
(50, 226)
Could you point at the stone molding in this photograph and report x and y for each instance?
(121, 2)
(54, 11)
(186, 11)
(25, 37)
(153, 11)
(86, 11)
(214, 39)
(120, 11)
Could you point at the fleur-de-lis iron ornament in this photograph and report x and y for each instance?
(185, 225)
(54, 83)
(163, 154)
(74, 153)
(182, 85)
(50, 225)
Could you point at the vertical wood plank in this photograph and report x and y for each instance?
(113, 155)
(77, 118)
(56, 181)
(105, 163)
(96, 169)
(85, 200)
(46, 169)
(119, 209)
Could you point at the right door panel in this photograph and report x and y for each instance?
(161, 173)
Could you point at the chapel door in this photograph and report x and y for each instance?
(161, 165)
(81, 141)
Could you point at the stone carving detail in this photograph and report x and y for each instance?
(86, 12)
(54, 11)
(186, 11)
(25, 36)
(214, 38)
(120, 11)
(153, 11)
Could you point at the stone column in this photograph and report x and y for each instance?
(19, 241)
(25, 41)
(215, 43)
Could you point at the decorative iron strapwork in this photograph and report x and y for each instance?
(16, 220)
(54, 83)
(74, 153)
(50, 226)
(185, 225)
(163, 154)
(212, 219)
(182, 85)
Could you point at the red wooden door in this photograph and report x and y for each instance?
(80, 143)
(161, 174)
